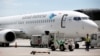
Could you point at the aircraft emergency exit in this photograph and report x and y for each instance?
(73, 24)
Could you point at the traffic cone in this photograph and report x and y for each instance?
(15, 44)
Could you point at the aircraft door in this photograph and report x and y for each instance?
(63, 21)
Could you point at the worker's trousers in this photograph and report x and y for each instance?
(87, 46)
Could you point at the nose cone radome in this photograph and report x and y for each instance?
(91, 26)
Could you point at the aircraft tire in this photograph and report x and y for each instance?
(7, 44)
(62, 48)
(53, 48)
(77, 46)
(92, 46)
(4, 45)
(70, 48)
(31, 44)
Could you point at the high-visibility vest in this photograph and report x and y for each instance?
(88, 39)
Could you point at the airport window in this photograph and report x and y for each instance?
(77, 18)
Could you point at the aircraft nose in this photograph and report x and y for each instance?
(91, 26)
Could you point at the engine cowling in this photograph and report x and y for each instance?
(7, 36)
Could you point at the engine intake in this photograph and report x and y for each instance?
(9, 37)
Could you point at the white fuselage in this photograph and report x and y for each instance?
(71, 23)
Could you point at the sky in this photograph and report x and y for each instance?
(19, 7)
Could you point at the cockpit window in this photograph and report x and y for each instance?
(84, 18)
(77, 18)
(80, 18)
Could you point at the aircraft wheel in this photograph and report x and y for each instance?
(70, 48)
(31, 44)
(76, 46)
(62, 48)
(92, 46)
(7, 44)
(53, 47)
(4, 45)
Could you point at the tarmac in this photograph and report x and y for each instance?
(24, 49)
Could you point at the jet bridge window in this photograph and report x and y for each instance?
(77, 18)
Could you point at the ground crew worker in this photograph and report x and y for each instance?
(87, 42)
(39, 42)
(51, 41)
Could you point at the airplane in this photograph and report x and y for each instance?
(73, 24)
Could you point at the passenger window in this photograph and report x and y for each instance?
(77, 18)
(42, 21)
(69, 19)
(49, 21)
(53, 20)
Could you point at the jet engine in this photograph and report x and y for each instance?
(7, 36)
